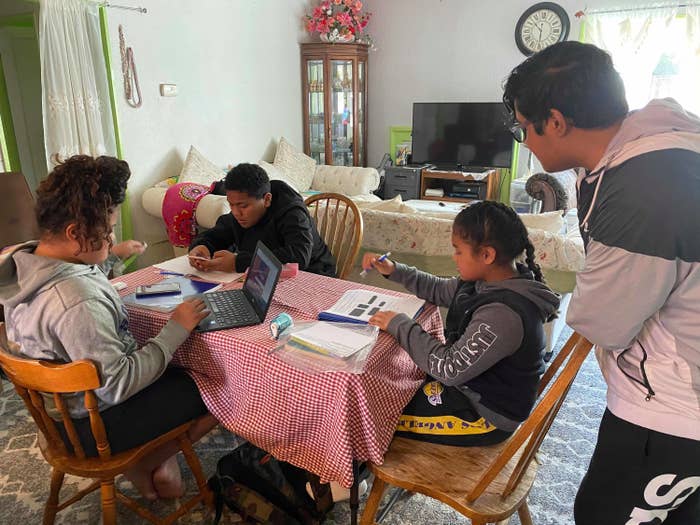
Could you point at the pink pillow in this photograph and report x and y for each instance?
(179, 206)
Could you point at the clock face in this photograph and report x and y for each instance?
(540, 26)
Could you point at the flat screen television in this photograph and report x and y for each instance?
(461, 135)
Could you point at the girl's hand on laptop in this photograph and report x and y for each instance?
(222, 261)
(382, 319)
(189, 313)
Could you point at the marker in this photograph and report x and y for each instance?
(363, 273)
(163, 272)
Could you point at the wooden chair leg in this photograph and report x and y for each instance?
(196, 468)
(109, 502)
(504, 522)
(52, 503)
(375, 497)
(524, 514)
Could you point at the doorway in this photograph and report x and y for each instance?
(21, 120)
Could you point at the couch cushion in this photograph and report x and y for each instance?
(200, 170)
(552, 221)
(275, 173)
(295, 165)
(348, 180)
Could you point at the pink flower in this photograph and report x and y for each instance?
(337, 2)
(357, 6)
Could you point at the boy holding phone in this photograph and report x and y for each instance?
(261, 210)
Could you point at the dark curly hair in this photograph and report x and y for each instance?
(248, 178)
(490, 223)
(577, 79)
(85, 191)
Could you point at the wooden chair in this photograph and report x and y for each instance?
(486, 484)
(339, 223)
(31, 378)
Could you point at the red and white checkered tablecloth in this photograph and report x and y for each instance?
(319, 422)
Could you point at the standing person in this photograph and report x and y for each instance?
(638, 297)
(493, 331)
(60, 307)
(261, 210)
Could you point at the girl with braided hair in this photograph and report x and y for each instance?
(482, 381)
(59, 306)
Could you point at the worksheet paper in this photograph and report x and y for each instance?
(357, 306)
(182, 265)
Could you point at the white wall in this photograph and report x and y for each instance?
(237, 67)
(442, 51)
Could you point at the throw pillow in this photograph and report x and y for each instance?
(274, 173)
(551, 221)
(295, 165)
(200, 170)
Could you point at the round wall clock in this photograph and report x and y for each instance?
(540, 26)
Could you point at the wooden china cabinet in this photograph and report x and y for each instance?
(334, 102)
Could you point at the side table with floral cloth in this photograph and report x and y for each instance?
(320, 422)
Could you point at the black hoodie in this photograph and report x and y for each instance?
(286, 228)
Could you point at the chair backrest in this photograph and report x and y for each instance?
(339, 223)
(533, 430)
(17, 219)
(34, 378)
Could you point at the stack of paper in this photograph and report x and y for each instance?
(331, 340)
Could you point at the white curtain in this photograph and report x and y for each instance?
(656, 51)
(75, 95)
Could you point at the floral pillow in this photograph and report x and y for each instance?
(200, 170)
(296, 166)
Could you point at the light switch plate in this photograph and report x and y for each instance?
(168, 90)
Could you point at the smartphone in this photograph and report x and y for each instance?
(164, 288)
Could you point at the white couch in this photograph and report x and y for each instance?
(354, 182)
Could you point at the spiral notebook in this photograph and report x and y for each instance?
(357, 306)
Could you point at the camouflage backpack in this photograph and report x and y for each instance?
(264, 490)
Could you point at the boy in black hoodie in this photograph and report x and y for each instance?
(261, 210)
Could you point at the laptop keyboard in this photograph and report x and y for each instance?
(230, 308)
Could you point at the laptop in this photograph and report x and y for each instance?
(249, 305)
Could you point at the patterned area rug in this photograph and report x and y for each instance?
(24, 475)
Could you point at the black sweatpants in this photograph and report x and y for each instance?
(168, 402)
(639, 476)
(442, 414)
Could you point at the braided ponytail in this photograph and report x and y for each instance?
(530, 260)
(490, 223)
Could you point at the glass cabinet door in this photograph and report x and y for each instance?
(342, 123)
(361, 155)
(316, 114)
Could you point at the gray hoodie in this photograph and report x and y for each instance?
(64, 312)
(638, 296)
(430, 354)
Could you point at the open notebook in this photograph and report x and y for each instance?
(357, 306)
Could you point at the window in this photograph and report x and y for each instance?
(656, 51)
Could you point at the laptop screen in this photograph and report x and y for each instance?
(263, 273)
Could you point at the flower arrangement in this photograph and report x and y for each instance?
(339, 21)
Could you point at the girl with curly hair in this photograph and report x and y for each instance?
(59, 306)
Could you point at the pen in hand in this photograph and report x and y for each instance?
(383, 258)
